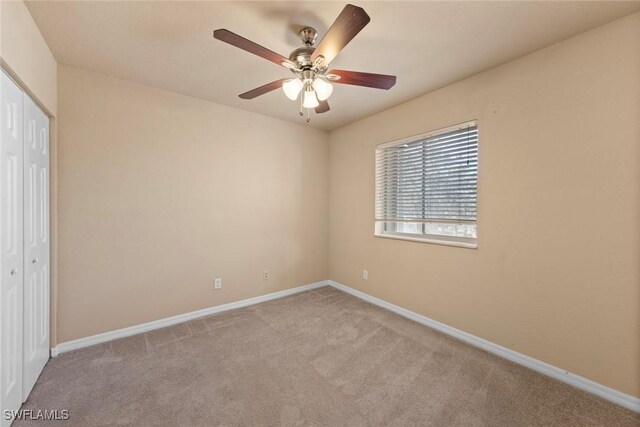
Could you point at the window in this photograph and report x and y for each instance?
(427, 187)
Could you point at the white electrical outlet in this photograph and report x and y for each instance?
(217, 283)
(365, 274)
(266, 275)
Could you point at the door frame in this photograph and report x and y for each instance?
(49, 217)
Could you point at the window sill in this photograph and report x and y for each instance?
(443, 241)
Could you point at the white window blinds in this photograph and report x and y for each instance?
(432, 178)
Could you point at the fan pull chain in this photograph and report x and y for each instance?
(308, 116)
(301, 113)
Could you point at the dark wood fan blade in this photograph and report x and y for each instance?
(323, 107)
(351, 20)
(378, 81)
(246, 44)
(253, 93)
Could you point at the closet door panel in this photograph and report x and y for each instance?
(11, 245)
(36, 232)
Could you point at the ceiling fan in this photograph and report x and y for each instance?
(310, 64)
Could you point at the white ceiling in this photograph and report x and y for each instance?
(427, 45)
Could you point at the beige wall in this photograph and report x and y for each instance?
(26, 55)
(556, 275)
(160, 193)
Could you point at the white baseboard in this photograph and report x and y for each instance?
(612, 395)
(169, 321)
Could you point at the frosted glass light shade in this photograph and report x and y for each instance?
(310, 100)
(292, 88)
(323, 89)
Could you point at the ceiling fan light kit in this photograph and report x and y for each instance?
(323, 89)
(310, 98)
(292, 88)
(310, 64)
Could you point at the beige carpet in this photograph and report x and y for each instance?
(317, 358)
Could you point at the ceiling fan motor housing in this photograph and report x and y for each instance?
(302, 55)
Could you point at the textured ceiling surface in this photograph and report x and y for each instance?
(428, 45)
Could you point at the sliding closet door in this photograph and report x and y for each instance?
(11, 251)
(36, 244)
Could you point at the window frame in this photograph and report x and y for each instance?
(463, 242)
